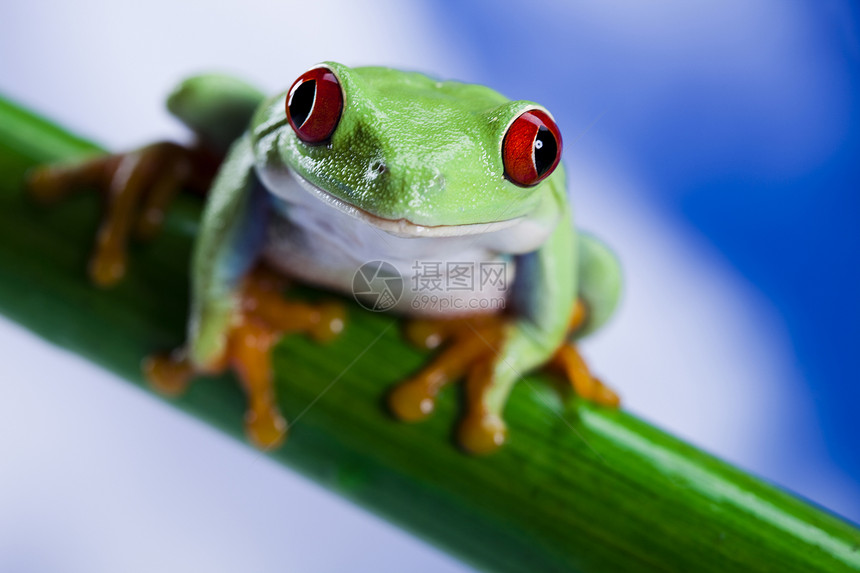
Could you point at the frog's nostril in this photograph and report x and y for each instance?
(375, 169)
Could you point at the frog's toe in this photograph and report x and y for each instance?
(413, 400)
(570, 363)
(108, 265)
(482, 434)
(330, 322)
(266, 429)
(168, 374)
(604, 395)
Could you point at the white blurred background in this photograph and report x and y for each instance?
(97, 476)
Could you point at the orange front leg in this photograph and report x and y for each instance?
(264, 317)
(471, 350)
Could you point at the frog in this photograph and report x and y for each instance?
(358, 166)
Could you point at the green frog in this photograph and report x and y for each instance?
(350, 167)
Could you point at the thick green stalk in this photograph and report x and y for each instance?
(578, 488)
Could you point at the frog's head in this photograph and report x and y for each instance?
(416, 156)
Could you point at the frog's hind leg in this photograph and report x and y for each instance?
(598, 293)
(569, 363)
(139, 190)
(138, 186)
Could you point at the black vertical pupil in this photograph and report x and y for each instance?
(302, 102)
(546, 149)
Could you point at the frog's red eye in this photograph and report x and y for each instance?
(314, 104)
(531, 148)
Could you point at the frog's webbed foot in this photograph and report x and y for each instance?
(473, 349)
(469, 349)
(137, 187)
(264, 316)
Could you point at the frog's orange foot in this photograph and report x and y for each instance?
(468, 347)
(168, 374)
(137, 187)
(267, 429)
(482, 434)
(570, 364)
(264, 316)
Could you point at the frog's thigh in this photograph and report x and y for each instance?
(216, 107)
(598, 290)
(599, 284)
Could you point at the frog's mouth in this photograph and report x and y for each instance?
(402, 227)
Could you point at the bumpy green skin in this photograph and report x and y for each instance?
(407, 147)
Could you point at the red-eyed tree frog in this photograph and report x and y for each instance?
(357, 166)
